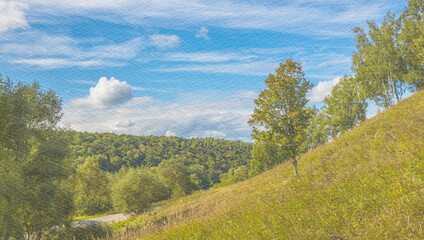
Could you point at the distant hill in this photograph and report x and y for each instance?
(115, 151)
(366, 184)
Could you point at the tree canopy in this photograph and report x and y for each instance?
(281, 109)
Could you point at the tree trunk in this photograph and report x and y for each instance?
(295, 166)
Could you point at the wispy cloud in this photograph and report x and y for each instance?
(207, 57)
(50, 51)
(304, 17)
(224, 117)
(163, 40)
(257, 68)
(50, 63)
(203, 33)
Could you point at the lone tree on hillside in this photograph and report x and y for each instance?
(281, 110)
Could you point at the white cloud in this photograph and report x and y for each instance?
(308, 17)
(257, 68)
(203, 33)
(170, 133)
(224, 117)
(12, 16)
(207, 57)
(163, 41)
(49, 51)
(107, 93)
(60, 62)
(123, 124)
(322, 89)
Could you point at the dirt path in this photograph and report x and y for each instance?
(109, 218)
(105, 219)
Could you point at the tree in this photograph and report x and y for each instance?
(281, 109)
(378, 63)
(92, 192)
(345, 107)
(317, 132)
(174, 172)
(136, 190)
(266, 153)
(411, 41)
(33, 162)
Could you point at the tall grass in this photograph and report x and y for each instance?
(366, 184)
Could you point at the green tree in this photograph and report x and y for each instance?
(92, 191)
(281, 109)
(317, 131)
(174, 172)
(34, 162)
(345, 107)
(136, 190)
(378, 62)
(266, 153)
(411, 41)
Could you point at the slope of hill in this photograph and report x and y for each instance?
(366, 184)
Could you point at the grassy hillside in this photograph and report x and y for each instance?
(367, 184)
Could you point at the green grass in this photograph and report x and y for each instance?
(366, 184)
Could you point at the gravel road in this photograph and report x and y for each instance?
(105, 219)
(109, 218)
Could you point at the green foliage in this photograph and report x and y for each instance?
(344, 108)
(136, 189)
(378, 63)
(234, 175)
(265, 155)
(172, 173)
(116, 151)
(411, 41)
(91, 204)
(91, 231)
(281, 109)
(34, 162)
(91, 188)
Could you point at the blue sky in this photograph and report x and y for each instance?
(184, 68)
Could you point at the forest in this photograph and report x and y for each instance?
(49, 175)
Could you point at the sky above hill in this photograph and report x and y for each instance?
(176, 68)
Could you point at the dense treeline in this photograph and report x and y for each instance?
(116, 151)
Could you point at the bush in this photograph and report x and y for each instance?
(91, 231)
(136, 190)
(92, 205)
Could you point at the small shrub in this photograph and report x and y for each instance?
(91, 231)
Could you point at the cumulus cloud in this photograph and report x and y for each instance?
(322, 89)
(203, 33)
(107, 93)
(12, 16)
(164, 41)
